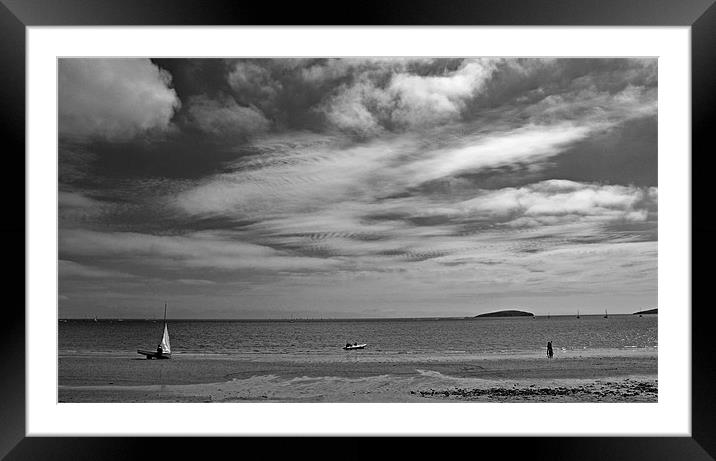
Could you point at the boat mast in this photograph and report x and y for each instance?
(165, 312)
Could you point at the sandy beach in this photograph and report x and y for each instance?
(355, 378)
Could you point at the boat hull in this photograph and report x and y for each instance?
(154, 354)
(350, 348)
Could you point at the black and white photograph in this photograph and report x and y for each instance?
(357, 229)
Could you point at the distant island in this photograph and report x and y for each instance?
(650, 311)
(506, 314)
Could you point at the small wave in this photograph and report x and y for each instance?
(333, 379)
(431, 374)
(262, 378)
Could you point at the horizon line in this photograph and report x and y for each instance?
(300, 319)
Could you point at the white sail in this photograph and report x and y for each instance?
(166, 348)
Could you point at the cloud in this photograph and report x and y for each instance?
(77, 207)
(555, 201)
(331, 69)
(444, 179)
(349, 111)
(198, 282)
(313, 173)
(224, 118)
(334, 72)
(286, 176)
(399, 99)
(72, 270)
(195, 250)
(595, 106)
(74, 200)
(350, 205)
(254, 83)
(527, 144)
(369, 97)
(113, 99)
(433, 99)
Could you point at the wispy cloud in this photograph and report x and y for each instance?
(72, 270)
(202, 249)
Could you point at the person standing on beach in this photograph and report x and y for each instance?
(550, 352)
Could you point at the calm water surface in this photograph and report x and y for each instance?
(404, 336)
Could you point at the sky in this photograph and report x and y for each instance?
(353, 188)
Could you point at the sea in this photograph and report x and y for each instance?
(488, 337)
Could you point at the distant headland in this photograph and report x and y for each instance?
(649, 311)
(510, 313)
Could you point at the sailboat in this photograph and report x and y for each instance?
(164, 349)
(577, 314)
(606, 316)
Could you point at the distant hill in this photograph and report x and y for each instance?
(506, 314)
(650, 311)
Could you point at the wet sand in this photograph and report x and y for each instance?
(356, 378)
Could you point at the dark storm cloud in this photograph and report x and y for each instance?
(225, 119)
(192, 77)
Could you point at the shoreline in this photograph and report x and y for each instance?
(355, 379)
(381, 389)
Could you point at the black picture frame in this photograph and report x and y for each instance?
(16, 15)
